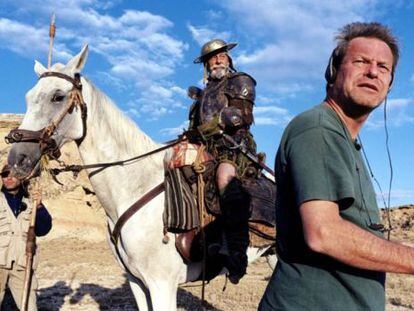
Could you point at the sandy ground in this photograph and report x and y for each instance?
(78, 272)
(89, 279)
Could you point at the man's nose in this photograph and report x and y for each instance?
(372, 70)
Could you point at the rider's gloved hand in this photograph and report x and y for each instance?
(192, 135)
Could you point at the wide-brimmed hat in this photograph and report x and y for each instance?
(5, 168)
(213, 47)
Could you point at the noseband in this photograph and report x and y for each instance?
(44, 136)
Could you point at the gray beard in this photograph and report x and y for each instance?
(219, 72)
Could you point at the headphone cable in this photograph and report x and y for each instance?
(390, 165)
(387, 204)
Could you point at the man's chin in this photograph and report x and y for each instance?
(218, 73)
(361, 108)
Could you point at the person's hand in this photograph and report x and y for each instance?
(210, 129)
(192, 135)
(37, 197)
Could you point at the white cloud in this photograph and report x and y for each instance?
(23, 39)
(132, 112)
(180, 91)
(136, 45)
(159, 100)
(151, 23)
(202, 34)
(105, 5)
(174, 131)
(264, 100)
(289, 42)
(215, 16)
(398, 103)
(398, 197)
(267, 112)
(271, 109)
(399, 112)
(271, 115)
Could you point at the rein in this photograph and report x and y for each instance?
(77, 168)
(44, 136)
(114, 235)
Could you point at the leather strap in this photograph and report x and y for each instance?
(77, 168)
(133, 209)
(75, 81)
(44, 136)
(20, 135)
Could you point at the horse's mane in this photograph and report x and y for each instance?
(129, 135)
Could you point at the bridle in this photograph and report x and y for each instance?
(48, 145)
(43, 136)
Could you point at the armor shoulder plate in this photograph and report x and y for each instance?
(241, 86)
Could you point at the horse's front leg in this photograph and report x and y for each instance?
(158, 295)
(163, 294)
(141, 294)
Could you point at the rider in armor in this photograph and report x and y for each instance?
(225, 106)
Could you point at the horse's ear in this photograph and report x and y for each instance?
(39, 68)
(75, 65)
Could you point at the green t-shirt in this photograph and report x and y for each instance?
(317, 160)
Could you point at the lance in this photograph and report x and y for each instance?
(52, 31)
(31, 246)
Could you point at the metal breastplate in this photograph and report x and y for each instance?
(213, 100)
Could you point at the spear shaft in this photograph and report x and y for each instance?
(30, 249)
(52, 31)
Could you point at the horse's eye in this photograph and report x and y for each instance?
(58, 97)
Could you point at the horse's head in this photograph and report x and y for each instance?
(55, 115)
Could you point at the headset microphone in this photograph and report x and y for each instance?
(357, 145)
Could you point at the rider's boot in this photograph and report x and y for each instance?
(235, 208)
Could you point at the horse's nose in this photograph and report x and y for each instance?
(23, 158)
(20, 160)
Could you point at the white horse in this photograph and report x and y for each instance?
(155, 268)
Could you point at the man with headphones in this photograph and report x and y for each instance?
(332, 254)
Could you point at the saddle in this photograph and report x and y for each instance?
(195, 228)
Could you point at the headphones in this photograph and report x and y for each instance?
(333, 66)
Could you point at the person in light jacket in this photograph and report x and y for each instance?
(15, 212)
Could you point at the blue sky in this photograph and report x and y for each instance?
(141, 55)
